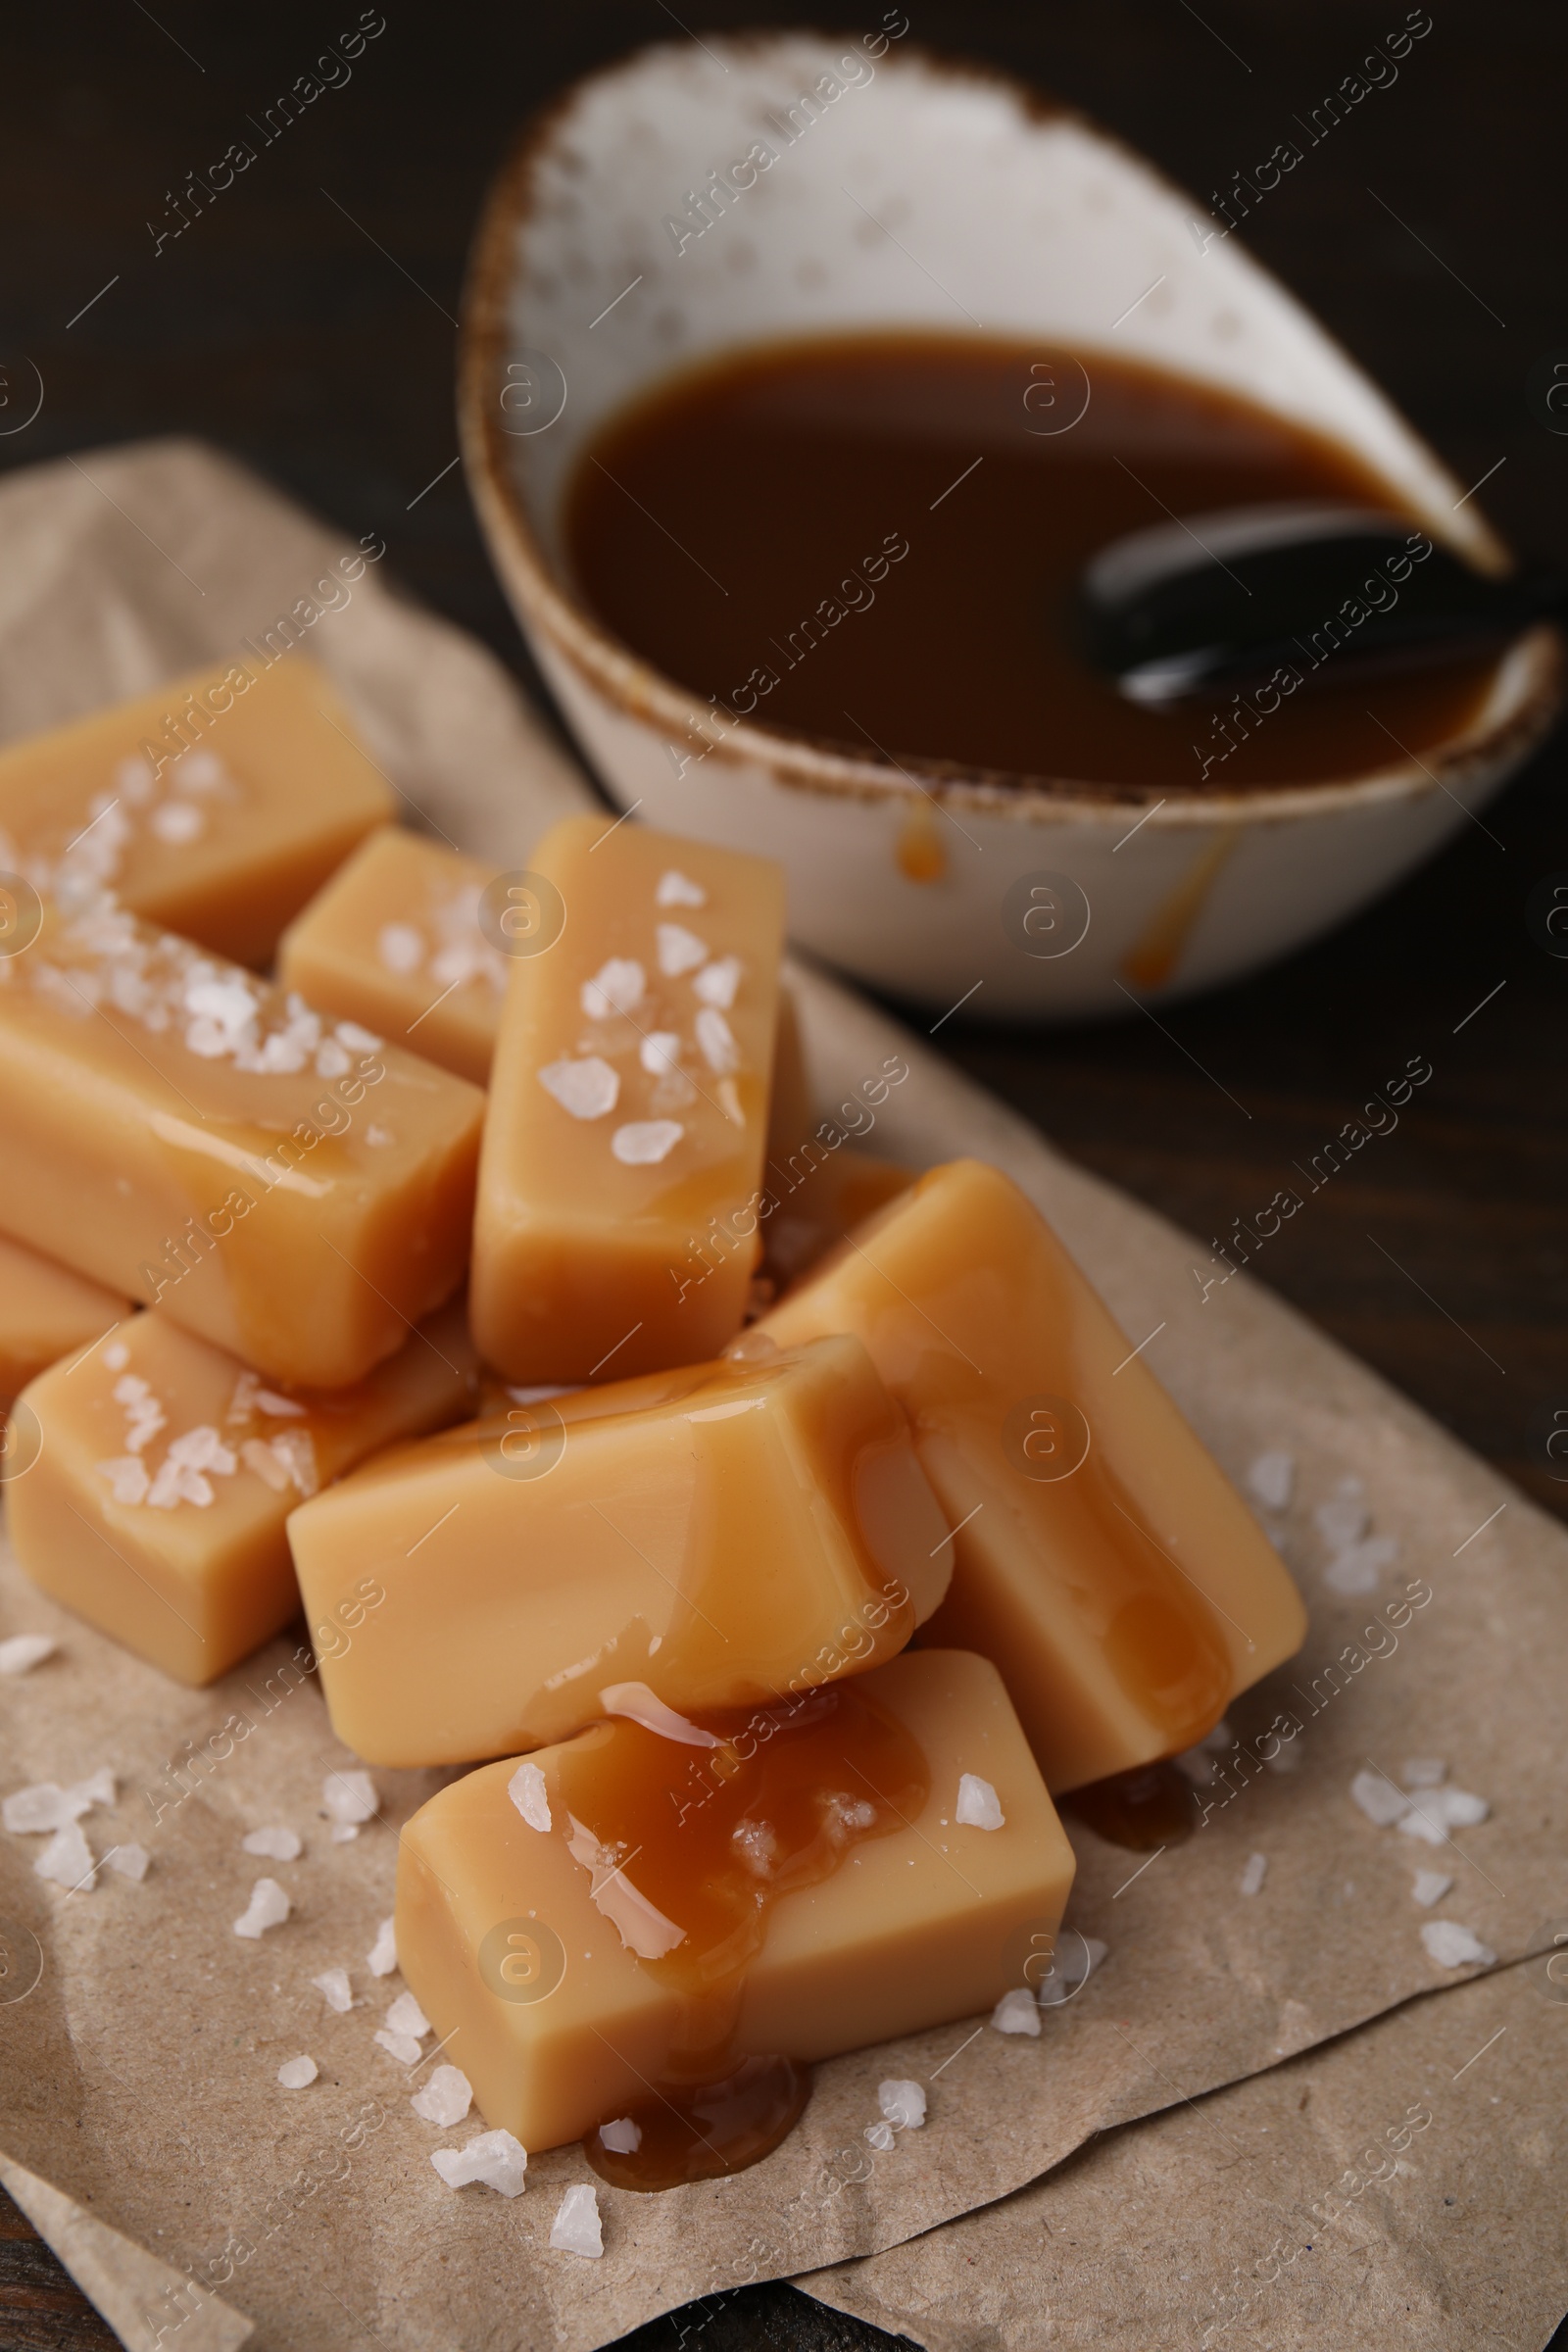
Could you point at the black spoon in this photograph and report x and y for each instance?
(1215, 598)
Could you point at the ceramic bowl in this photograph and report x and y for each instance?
(896, 177)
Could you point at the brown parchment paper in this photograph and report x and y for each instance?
(139, 2076)
(1404, 2189)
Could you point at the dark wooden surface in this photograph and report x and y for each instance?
(319, 348)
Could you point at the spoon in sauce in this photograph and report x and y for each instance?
(1213, 599)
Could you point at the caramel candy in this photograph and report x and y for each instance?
(620, 1185)
(46, 1312)
(1102, 1559)
(287, 1188)
(214, 806)
(166, 1469)
(567, 1982)
(722, 1533)
(829, 1197)
(394, 941)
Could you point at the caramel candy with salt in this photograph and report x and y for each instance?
(620, 1181)
(283, 1185)
(214, 806)
(1102, 1559)
(562, 1966)
(394, 941)
(722, 1533)
(46, 1312)
(166, 1470)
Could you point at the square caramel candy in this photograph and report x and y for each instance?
(214, 806)
(555, 1968)
(46, 1312)
(620, 1181)
(1103, 1558)
(394, 941)
(164, 1471)
(279, 1184)
(722, 1534)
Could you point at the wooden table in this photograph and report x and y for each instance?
(304, 319)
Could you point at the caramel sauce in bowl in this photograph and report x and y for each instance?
(690, 212)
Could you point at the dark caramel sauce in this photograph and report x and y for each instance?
(719, 525)
(710, 1838)
(1143, 1810)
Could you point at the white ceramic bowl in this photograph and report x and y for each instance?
(1041, 226)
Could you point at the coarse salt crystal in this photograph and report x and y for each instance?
(1359, 1568)
(495, 2159)
(578, 2228)
(332, 1059)
(717, 983)
(528, 1791)
(278, 1408)
(717, 1040)
(382, 1957)
(446, 2098)
(67, 1859)
(1343, 1519)
(978, 1806)
(679, 950)
(400, 947)
(407, 2017)
(660, 1053)
(115, 1356)
(1429, 1886)
(343, 1833)
(1378, 1798)
(1080, 1956)
(1423, 1772)
(404, 2049)
(676, 889)
(349, 1796)
(23, 1651)
(617, 987)
(1017, 2012)
(1253, 1877)
(903, 2104)
(1271, 1479)
(295, 2072)
(336, 1989)
(622, 2137)
(880, 2136)
(273, 1844)
(128, 1478)
(44, 1806)
(357, 1040)
(1453, 1946)
(587, 1089)
(131, 1861)
(178, 823)
(267, 1907)
(643, 1142)
(99, 1788)
(1437, 1811)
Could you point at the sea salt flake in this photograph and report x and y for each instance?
(267, 1907)
(343, 1833)
(528, 1791)
(622, 2137)
(1423, 1772)
(407, 2017)
(1437, 1811)
(587, 1089)
(178, 822)
(676, 889)
(258, 1456)
(131, 1861)
(43, 1806)
(643, 1142)
(660, 1053)
(1343, 1519)
(1429, 1886)
(880, 2136)
(1078, 1959)
(446, 2098)
(618, 986)
(1357, 1569)
(336, 1989)
(903, 2104)
(357, 1040)
(578, 2228)
(1271, 1478)
(400, 947)
(679, 950)
(349, 1796)
(115, 1356)
(717, 1040)
(99, 1788)
(1378, 1798)
(382, 1957)
(128, 1478)
(717, 982)
(978, 1806)
(1253, 1877)
(1017, 2012)
(272, 1844)
(176, 1483)
(66, 1860)
(332, 1060)
(295, 2072)
(23, 1651)
(1453, 1946)
(492, 2158)
(404, 2049)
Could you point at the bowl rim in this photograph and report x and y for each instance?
(796, 761)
